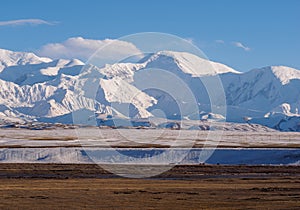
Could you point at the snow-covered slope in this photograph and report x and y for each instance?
(30, 74)
(262, 88)
(263, 92)
(10, 58)
(34, 88)
(187, 63)
(270, 96)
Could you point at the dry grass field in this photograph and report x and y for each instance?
(54, 186)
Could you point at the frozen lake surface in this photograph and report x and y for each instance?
(95, 137)
(134, 146)
(151, 156)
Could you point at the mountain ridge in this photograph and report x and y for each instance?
(34, 88)
(11, 58)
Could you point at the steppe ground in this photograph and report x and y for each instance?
(58, 186)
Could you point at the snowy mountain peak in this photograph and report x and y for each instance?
(285, 74)
(41, 89)
(68, 63)
(36, 71)
(189, 63)
(75, 62)
(10, 58)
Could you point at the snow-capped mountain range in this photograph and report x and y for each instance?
(41, 89)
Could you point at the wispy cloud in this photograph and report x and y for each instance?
(240, 45)
(219, 41)
(190, 40)
(26, 22)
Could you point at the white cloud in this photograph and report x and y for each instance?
(240, 45)
(24, 22)
(83, 49)
(219, 41)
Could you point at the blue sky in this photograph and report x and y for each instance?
(241, 34)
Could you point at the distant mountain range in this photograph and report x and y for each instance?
(46, 90)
